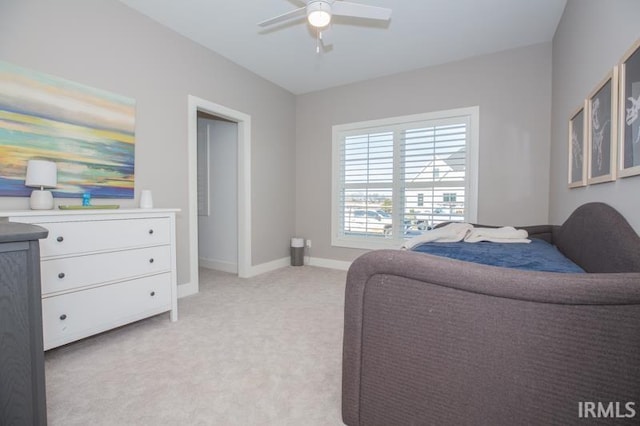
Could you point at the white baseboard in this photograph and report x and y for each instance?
(311, 261)
(268, 267)
(187, 289)
(328, 263)
(219, 265)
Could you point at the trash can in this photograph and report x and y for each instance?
(297, 251)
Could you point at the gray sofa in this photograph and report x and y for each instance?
(435, 341)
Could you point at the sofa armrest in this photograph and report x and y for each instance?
(544, 287)
(501, 311)
(599, 239)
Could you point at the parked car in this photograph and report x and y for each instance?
(380, 222)
(368, 221)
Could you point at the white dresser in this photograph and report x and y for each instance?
(103, 268)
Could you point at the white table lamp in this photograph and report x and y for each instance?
(41, 174)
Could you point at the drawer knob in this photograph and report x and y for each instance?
(63, 317)
(60, 239)
(151, 260)
(61, 275)
(153, 293)
(150, 231)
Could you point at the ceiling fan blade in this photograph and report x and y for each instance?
(296, 13)
(357, 10)
(326, 37)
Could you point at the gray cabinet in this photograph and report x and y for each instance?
(22, 386)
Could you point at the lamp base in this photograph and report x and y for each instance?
(41, 200)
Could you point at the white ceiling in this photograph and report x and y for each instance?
(421, 33)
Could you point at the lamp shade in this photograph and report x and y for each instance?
(41, 173)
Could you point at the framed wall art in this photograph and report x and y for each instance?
(577, 151)
(602, 107)
(89, 133)
(629, 127)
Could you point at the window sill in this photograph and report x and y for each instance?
(371, 243)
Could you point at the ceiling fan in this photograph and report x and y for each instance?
(319, 13)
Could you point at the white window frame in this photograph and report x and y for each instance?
(371, 126)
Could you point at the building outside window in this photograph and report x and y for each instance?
(449, 197)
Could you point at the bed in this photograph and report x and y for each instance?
(430, 340)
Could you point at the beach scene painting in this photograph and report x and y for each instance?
(89, 133)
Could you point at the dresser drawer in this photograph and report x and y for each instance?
(97, 235)
(68, 273)
(72, 316)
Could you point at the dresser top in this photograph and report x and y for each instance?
(14, 232)
(92, 212)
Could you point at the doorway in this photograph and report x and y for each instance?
(217, 193)
(243, 170)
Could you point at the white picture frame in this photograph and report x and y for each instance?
(577, 148)
(629, 112)
(602, 106)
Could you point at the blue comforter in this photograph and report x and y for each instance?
(535, 256)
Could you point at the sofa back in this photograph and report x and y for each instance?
(599, 239)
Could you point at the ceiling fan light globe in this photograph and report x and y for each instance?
(319, 13)
(319, 19)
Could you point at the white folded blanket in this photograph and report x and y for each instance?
(457, 231)
(451, 233)
(506, 234)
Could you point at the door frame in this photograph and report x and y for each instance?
(243, 120)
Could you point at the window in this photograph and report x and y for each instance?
(396, 178)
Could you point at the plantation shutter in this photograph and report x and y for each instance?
(366, 184)
(203, 169)
(395, 179)
(434, 173)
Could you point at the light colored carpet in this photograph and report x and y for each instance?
(259, 351)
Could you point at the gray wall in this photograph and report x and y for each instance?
(104, 44)
(590, 39)
(513, 90)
